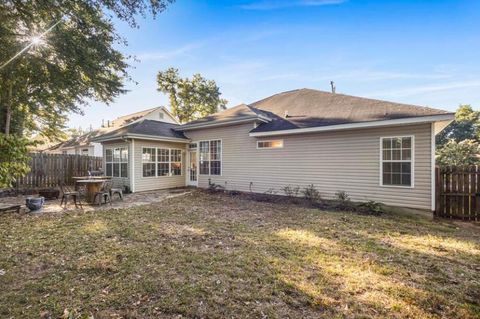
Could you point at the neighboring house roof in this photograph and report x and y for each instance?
(306, 108)
(161, 130)
(82, 140)
(130, 118)
(86, 139)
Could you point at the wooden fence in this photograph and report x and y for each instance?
(458, 192)
(48, 169)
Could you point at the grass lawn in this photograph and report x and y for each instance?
(216, 256)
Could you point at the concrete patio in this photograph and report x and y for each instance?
(129, 200)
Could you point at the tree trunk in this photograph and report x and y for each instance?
(8, 114)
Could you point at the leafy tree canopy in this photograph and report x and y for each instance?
(73, 64)
(192, 98)
(466, 126)
(459, 153)
(14, 160)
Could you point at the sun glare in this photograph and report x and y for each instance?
(37, 41)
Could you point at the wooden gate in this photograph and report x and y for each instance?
(458, 192)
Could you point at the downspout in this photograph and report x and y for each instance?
(433, 177)
(132, 165)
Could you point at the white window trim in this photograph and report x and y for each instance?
(119, 163)
(169, 162)
(151, 162)
(221, 157)
(269, 148)
(412, 161)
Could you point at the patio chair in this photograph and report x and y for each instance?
(67, 193)
(104, 194)
(118, 191)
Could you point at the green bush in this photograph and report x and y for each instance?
(342, 196)
(373, 206)
(291, 191)
(310, 193)
(14, 159)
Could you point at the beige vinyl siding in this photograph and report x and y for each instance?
(160, 182)
(119, 182)
(346, 160)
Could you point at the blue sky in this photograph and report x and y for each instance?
(418, 52)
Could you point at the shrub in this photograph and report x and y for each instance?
(291, 191)
(342, 196)
(14, 159)
(311, 194)
(212, 187)
(373, 207)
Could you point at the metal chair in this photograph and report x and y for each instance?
(104, 194)
(118, 191)
(67, 193)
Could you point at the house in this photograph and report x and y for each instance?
(84, 144)
(372, 149)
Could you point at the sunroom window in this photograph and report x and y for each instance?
(158, 162)
(148, 161)
(397, 161)
(116, 162)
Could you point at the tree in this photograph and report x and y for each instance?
(466, 126)
(14, 160)
(76, 62)
(192, 98)
(459, 153)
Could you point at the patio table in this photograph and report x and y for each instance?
(76, 178)
(93, 186)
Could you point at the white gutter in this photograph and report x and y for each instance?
(413, 120)
(222, 123)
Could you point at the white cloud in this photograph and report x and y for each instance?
(282, 4)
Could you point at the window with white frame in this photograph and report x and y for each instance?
(148, 161)
(159, 162)
(163, 162)
(116, 162)
(397, 161)
(270, 144)
(210, 157)
(176, 162)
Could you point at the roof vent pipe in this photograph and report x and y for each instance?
(332, 84)
(285, 114)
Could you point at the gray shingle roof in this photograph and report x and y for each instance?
(233, 113)
(313, 108)
(147, 127)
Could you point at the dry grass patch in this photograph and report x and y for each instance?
(216, 256)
